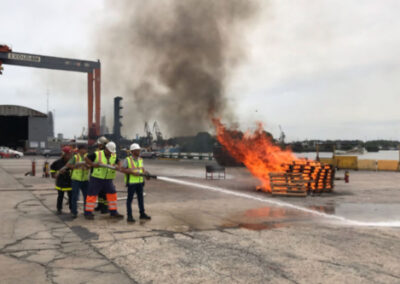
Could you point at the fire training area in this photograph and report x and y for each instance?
(204, 231)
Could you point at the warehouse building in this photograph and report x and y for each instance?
(24, 128)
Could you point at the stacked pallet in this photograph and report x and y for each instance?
(290, 184)
(319, 177)
(302, 177)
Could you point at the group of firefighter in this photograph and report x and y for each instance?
(93, 175)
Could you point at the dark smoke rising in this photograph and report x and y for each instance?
(170, 60)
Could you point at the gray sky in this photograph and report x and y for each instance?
(322, 69)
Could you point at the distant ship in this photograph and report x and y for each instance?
(372, 148)
(355, 151)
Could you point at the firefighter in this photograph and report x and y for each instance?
(79, 177)
(102, 179)
(62, 174)
(102, 205)
(134, 179)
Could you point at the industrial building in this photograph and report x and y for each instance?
(24, 128)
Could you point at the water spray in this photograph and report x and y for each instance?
(339, 219)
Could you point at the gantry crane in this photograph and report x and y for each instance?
(149, 135)
(157, 130)
(92, 68)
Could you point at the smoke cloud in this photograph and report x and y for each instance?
(170, 60)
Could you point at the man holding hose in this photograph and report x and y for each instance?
(79, 177)
(105, 164)
(134, 179)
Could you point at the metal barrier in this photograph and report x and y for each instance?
(215, 169)
(188, 156)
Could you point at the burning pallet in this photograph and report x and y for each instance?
(302, 177)
(320, 177)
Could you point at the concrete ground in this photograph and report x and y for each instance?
(201, 236)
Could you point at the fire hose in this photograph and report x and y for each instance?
(145, 175)
(66, 167)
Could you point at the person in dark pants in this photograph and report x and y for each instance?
(105, 164)
(62, 174)
(79, 177)
(134, 171)
(102, 204)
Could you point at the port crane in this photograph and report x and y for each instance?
(91, 68)
(158, 133)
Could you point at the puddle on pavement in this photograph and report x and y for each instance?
(371, 212)
(272, 217)
(262, 226)
(265, 218)
(270, 213)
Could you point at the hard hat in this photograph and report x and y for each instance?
(67, 149)
(102, 140)
(134, 146)
(110, 146)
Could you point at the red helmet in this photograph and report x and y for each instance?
(67, 149)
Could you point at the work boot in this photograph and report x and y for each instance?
(89, 216)
(74, 216)
(104, 210)
(130, 219)
(59, 212)
(144, 216)
(116, 215)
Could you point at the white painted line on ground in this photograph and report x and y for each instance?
(341, 219)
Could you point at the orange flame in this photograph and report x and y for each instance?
(255, 150)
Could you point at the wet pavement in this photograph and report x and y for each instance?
(198, 235)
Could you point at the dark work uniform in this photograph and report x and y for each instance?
(63, 182)
(102, 198)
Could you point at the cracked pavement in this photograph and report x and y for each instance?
(198, 236)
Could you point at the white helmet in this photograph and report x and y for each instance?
(102, 140)
(110, 146)
(134, 146)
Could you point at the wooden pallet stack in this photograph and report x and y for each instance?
(319, 177)
(302, 177)
(290, 184)
(322, 179)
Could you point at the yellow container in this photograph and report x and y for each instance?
(388, 165)
(369, 165)
(346, 162)
(328, 161)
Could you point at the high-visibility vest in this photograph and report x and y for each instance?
(104, 173)
(137, 165)
(80, 174)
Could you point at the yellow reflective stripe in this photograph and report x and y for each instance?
(53, 171)
(64, 188)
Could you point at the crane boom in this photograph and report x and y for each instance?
(48, 62)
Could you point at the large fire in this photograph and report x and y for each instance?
(256, 151)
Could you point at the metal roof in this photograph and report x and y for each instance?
(13, 110)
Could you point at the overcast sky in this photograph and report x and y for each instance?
(322, 69)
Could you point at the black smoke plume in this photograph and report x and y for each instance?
(170, 60)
